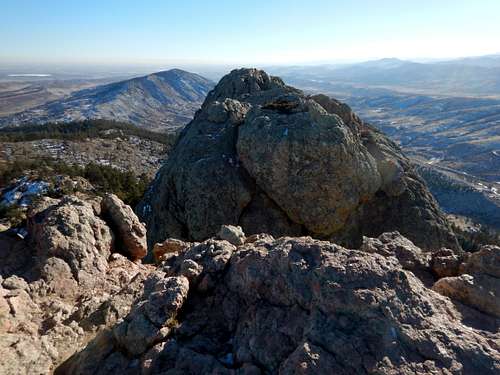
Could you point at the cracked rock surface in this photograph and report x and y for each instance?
(288, 306)
(70, 304)
(264, 156)
(62, 285)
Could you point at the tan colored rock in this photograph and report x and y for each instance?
(42, 327)
(478, 286)
(258, 237)
(232, 234)
(58, 279)
(63, 287)
(130, 232)
(446, 263)
(15, 282)
(485, 261)
(69, 229)
(291, 305)
(169, 246)
(479, 291)
(394, 244)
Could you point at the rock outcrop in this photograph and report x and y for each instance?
(478, 284)
(76, 299)
(289, 306)
(232, 234)
(264, 156)
(169, 246)
(63, 284)
(237, 304)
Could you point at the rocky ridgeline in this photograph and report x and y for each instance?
(264, 156)
(75, 297)
(238, 305)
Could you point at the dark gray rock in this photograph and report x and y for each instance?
(266, 157)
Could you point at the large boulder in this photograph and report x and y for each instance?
(288, 306)
(308, 162)
(71, 229)
(486, 261)
(264, 156)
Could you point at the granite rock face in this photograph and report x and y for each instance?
(71, 229)
(264, 156)
(288, 306)
(70, 304)
(62, 285)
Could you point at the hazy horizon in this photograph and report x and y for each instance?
(153, 33)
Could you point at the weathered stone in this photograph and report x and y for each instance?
(479, 291)
(485, 261)
(15, 282)
(292, 305)
(479, 284)
(264, 156)
(169, 246)
(394, 244)
(259, 237)
(446, 263)
(63, 285)
(70, 230)
(130, 232)
(288, 155)
(232, 234)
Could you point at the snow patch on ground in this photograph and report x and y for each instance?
(22, 192)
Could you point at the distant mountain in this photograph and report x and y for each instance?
(472, 76)
(25, 93)
(385, 63)
(488, 61)
(161, 101)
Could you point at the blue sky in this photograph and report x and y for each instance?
(261, 32)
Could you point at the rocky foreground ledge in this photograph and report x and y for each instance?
(72, 301)
(54, 286)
